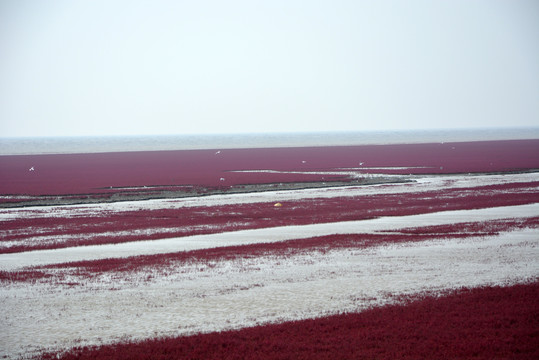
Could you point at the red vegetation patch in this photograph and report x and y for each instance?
(65, 174)
(480, 323)
(22, 276)
(117, 227)
(488, 228)
(164, 263)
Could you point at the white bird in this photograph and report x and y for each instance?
(360, 163)
(31, 169)
(218, 152)
(222, 179)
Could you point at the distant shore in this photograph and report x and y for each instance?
(101, 144)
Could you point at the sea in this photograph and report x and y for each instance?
(96, 144)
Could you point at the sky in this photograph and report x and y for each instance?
(106, 67)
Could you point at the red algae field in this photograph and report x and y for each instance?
(395, 251)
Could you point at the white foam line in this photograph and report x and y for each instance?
(265, 235)
(350, 171)
(388, 168)
(333, 172)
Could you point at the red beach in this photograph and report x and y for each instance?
(63, 174)
(374, 251)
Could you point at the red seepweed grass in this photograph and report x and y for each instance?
(116, 227)
(65, 174)
(492, 322)
(480, 323)
(163, 263)
(485, 323)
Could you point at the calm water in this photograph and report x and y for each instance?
(51, 145)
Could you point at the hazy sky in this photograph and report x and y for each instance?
(181, 67)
